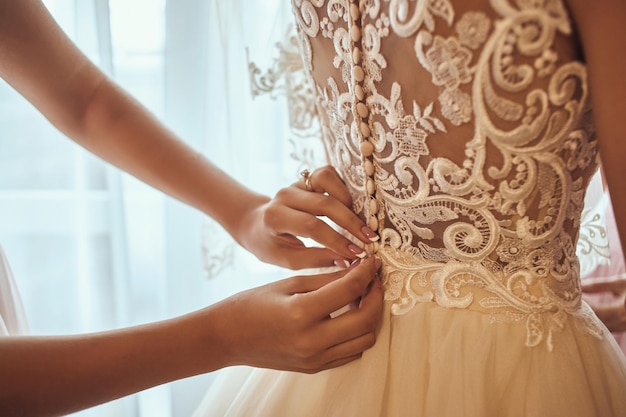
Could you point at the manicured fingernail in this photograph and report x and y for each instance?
(357, 251)
(378, 263)
(356, 262)
(341, 263)
(371, 235)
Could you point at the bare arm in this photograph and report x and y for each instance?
(40, 62)
(602, 27)
(58, 375)
(612, 309)
(44, 66)
(283, 325)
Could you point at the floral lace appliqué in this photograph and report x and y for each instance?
(482, 149)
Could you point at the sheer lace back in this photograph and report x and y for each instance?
(464, 134)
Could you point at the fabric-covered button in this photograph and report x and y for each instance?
(356, 56)
(359, 92)
(370, 186)
(369, 167)
(373, 206)
(365, 130)
(367, 149)
(372, 222)
(362, 109)
(355, 33)
(357, 73)
(355, 13)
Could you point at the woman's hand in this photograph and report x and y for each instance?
(612, 312)
(288, 325)
(272, 230)
(283, 325)
(41, 63)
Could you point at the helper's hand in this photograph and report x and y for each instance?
(288, 325)
(271, 230)
(612, 312)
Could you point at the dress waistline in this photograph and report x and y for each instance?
(543, 303)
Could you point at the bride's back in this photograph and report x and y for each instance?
(463, 132)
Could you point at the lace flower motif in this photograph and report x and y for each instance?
(327, 28)
(473, 29)
(512, 251)
(412, 139)
(382, 25)
(449, 62)
(456, 106)
(524, 212)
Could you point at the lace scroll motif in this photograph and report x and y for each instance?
(287, 78)
(492, 227)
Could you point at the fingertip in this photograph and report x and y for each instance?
(373, 262)
(369, 234)
(342, 263)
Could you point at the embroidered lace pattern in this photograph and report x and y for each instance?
(474, 118)
(286, 79)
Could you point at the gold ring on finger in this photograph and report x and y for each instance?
(306, 174)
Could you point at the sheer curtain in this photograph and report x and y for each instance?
(86, 243)
(92, 248)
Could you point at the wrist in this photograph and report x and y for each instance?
(207, 337)
(243, 225)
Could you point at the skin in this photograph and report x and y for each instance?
(600, 24)
(40, 62)
(283, 325)
(611, 312)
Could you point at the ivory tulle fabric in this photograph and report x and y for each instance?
(464, 132)
(439, 362)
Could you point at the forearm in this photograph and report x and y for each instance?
(40, 62)
(282, 325)
(122, 132)
(607, 84)
(58, 375)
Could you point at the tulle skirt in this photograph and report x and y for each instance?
(441, 362)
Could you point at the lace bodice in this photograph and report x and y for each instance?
(463, 132)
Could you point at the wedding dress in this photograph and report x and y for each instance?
(464, 133)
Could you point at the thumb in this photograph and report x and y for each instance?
(343, 291)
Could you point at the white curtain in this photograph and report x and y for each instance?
(86, 243)
(92, 248)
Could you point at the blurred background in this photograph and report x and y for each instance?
(92, 248)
